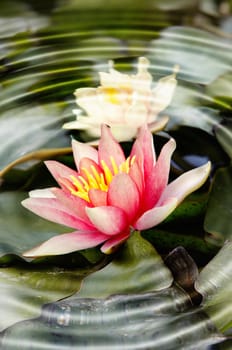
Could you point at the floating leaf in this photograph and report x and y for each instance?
(220, 90)
(36, 127)
(20, 229)
(218, 221)
(136, 268)
(214, 283)
(24, 289)
(223, 134)
(25, 286)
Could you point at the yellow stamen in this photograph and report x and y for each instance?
(125, 166)
(103, 185)
(85, 183)
(114, 165)
(132, 160)
(95, 173)
(80, 185)
(107, 171)
(111, 95)
(92, 181)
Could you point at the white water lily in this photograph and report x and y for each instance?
(124, 102)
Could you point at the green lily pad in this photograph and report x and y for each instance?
(20, 229)
(36, 127)
(218, 221)
(214, 283)
(223, 134)
(134, 321)
(137, 267)
(26, 284)
(220, 90)
(25, 289)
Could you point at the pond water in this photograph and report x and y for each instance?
(138, 298)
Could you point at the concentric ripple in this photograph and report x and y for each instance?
(45, 54)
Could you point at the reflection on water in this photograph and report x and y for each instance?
(46, 52)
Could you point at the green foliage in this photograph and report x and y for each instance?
(218, 221)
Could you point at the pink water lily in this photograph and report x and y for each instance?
(124, 102)
(110, 195)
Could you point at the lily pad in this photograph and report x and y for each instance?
(223, 134)
(20, 229)
(218, 221)
(214, 283)
(27, 284)
(37, 127)
(220, 90)
(25, 289)
(136, 268)
(136, 321)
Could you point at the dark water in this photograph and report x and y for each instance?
(47, 50)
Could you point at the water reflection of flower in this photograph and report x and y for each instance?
(124, 102)
(110, 195)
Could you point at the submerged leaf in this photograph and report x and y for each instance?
(202, 57)
(218, 216)
(151, 320)
(214, 283)
(223, 134)
(24, 290)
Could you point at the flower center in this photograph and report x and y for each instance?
(116, 95)
(93, 179)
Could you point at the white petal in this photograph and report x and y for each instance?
(137, 114)
(163, 93)
(186, 183)
(124, 132)
(156, 215)
(43, 193)
(87, 99)
(82, 150)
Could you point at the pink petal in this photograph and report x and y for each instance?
(59, 171)
(82, 150)
(123, 193)
(111, 244)
(186, 183)
(156, 182)
(136, 175)
(97, 197)
(109, 147)
(88, 164)
(156, 215)
(108, 219)
(51, 209)
(143, 150)
(67, 243)
(73, 204)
